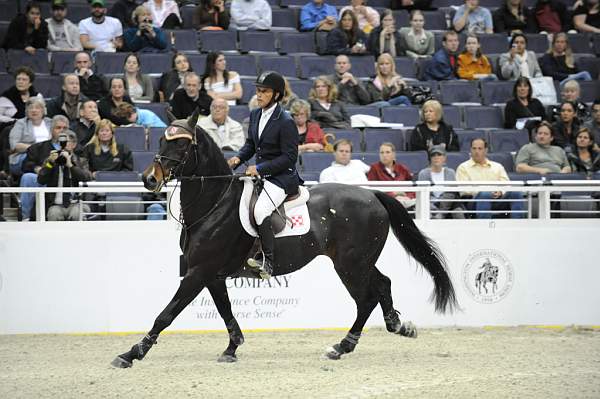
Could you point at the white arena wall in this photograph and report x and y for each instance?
(84, 277)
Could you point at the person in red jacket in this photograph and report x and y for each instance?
(387, 169)
(310, 133)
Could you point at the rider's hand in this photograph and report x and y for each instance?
(251, 171)
(233, 162)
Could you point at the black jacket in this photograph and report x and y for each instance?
(417, 5)
(15, 97)
(71, 177)
(17, 37)
(105, 161)
(583, 112)
(423, 138)
(556, 67)
(336, 117)
(93, 87)
(577, 164)
(36, 155)
(561, 138)
(506, 22)
(182, 106)
(353, 94)
(169, 82)
(106, 109)
(84, 133)
(373, 44)
(338, 43)
(515, 110)
(276, 150)
(54, 106)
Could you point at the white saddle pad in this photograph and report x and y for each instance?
(296, 212)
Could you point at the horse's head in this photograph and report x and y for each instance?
(176, 148)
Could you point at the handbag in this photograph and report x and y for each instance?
(418, 94)
(544, 89)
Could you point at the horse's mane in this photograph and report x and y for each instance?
(210, 154)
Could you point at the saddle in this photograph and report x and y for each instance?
(278, 217)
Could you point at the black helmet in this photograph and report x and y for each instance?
(272, 80)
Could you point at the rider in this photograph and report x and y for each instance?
(273, 137)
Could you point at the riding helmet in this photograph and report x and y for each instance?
(271, 80)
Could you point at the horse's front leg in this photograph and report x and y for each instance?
(218, 291)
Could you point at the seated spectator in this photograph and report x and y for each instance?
(420, 43)
(347, 38)
(411, 5)
(552, 16)
(123, 10)
(144, 37)
(165, 13)
(191, 96)
(85, 126)
(311, 135)
(104, 153)
(33, 128)
(472, 18)
(387, 87)
(13, 100)
(472, 64)
(480, 168)
(227, 133)
(91, 84)
(571, 92)
(250, 14)
(438, 173)
(542, 157)
(386, 38)
(70, 100)
(559, 63)
(350, 90)
(116, 96)
(566, 126)
(445, 61)
(593, 125)
(324, 106)
(63, 35)
(586, 17)
(289, 97)
(139, 86)
(367, 17)
(518, 61)
(433, 131)
(585, 156)
(138, 116)
(218, 81)
(100, 32)
(317, 15)
(173, 79)
(27, 31)
(387, 169)
(344, 169)
(523, 110)
(211, 15)
(514, 17)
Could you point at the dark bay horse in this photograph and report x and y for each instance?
(215, 245)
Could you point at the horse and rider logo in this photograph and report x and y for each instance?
(488, 275)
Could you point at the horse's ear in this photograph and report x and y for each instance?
(193, 119)
(171, 116)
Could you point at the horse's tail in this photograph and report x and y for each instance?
(423, 250)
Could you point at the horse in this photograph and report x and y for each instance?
(215, 245)
(489, 274)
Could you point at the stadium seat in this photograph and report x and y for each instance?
(197, 62)
(284, 64)
(421, 64)
(508, 140)
(414, 160)
(406, 67)
(110, 63)
(435, 20)
(77, 12)
(187, 15)
(580, 43)
(185, 40)
(239, 112)
(285, 18)
(363, 109)
(452, 92)
(155, 62)
(496, 92)
(9, 8)
(590, 91)
(3, 30)
(367, 157)
(362, 66)
(537, 42)
(453, 159)
(321, 42)
(133, 137)
(408, 116)
(224, 41)
(160, 109)
(301, 87)
(374, 138)
(38, 61)
(313, 66)
(6, 81)
(49, 85)
(316, 161)
(402, 18)
(117, 210)
(452, 116)
(503, 158)
(354, 135)
(465, 137)
(245, 65)
(122, 176)
(141, 160)
(257, 41)
(483, 117)
(596, 43)
(154, 135)
(297, 42)
(62, 62)
(590, 64)
(248, 90)
(293, 3)
(495, 43)
(309, 176)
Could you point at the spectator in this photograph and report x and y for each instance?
(367, 17)
(559, 63)
(523, 109)
(33, 128)
(386, 38)
(227, 133)
(62, 169)
(347, 38)
(552, 16)
(103, 153)
(165, 13)
(387, 87)
(480, 168)
(116, 96)
(593, 125)
(91, 85)
(144, 37)
(191, 96)
(438, 173)
(70, 100)
(289, 97)
(445, 61)
(350, 90)
(419, 42)
(123, 11)
(140, 87)
(138, 116)
(250, 14)
(34, 159)
(311, 135)
(218, 81)
(518, 61)
(571, 92)
(387, 169)
(317, 15)
(411, 5)
(63, 35)
(514, 17)
(472, 64)
(173, 79)
(324, 106)
(344, 169)
(27, 31)
(586, 17)
(13, 100)
(433, 131)
(211, 15)
(85, 127)
(585, 156)
(100, 32)
(566, 126)
(473, 19)
(542, 157)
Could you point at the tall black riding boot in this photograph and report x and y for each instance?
(267, 241)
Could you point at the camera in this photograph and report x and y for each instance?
(62, 141)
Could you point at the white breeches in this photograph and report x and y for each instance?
(266, 204)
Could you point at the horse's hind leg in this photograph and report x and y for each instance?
(381, 285)
(218, 291)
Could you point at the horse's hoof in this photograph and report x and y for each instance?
(408, 329)
(332, 353)
(227, 358)
(121, 363)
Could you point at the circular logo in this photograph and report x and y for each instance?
(488, 275)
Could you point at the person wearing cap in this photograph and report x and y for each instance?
(273, 139)
(63, 35)
(100, 32)
(438, 173)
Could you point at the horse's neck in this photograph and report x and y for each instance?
(212, 199)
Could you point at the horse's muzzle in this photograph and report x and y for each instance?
(151, 183)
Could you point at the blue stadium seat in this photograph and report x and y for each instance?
(465, 137)
(285, 18)
(141, 160)
(310, 176)
(354, 135)
(133, 137)
(63, 62)
(402, 19)
(496, 92)
(155, 62)
(110, 63)
(590, 64)
(453, 159)
(596, 43)
(316, 161)
(363, 109)
(580, 43)
(48, 85)
(414, 160)
(301, 87)
(452, 92)
(76, 12)
(239, 112)
(38, 61)
(514, 176)
(495, 43)
(9, 9)
(257, 41)
(160, 109)
(123, 176)
(483, 117)
(409, 116)
(185, 40)
(293, 3)
(503, 158)
(3, 30)
(363, 66)
(187, 15)
(367, 157)
(374, 138)
(6, 81)
(297, 43)
(154, 135)
(218, 40)
(284, 64)
(537, 42)
(508, 140)
(435, 20)
(452, 116)
(245, 65)
(589, 91)
(321, 42)
(313, 66)
(406, 67)
(421, 64)
(197, 62)
(248, 90)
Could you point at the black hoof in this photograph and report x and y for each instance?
(334, 352)
(227, 358)
(121, 363)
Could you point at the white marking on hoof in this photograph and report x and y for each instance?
(332, 353)
(121, 363)
(227, 359)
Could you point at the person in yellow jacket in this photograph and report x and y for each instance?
(472, 64)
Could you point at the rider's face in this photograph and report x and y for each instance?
(264, 96)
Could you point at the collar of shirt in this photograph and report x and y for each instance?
(264, 118)
(486, 164)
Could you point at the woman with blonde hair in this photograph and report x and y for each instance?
(310, 134)
(433, 130)
(472, 64)
(559, 63)
(104, 153)
(387, 86)
(324, 106)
